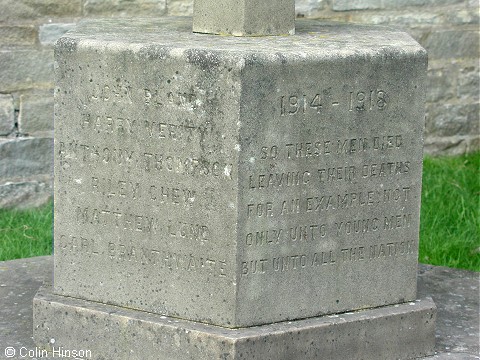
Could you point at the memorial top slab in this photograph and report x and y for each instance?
(336, 39)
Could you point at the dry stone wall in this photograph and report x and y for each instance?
(448, 29)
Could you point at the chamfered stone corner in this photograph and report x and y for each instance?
(250, 177)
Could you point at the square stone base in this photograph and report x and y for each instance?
(98, 331)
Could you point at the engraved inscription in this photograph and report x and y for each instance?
(184, 230)
(115, 188)
(171, 195)
(188, 99)
(78, 245)
(367, 100)
(118, 92)
(316, 232)
(127, 221)
(108, 124)
(117, 219)
(318, 260)
(145, 161)
(162, 259)
(317, 147)
(186, 131)
(363, 100)
(329, 174)
(291, 235)
(123, 92)
(134, 190)
(288, 179)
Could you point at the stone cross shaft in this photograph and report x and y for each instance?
(244, 17)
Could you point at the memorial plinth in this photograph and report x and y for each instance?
(237, 182)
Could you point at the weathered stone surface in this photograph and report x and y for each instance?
(396, 18)
(18, 35)
(456, 299)
(19, 281)
(13, 10)
(440, 87)
(394, 332)
(36, 113)
(451, 145)
(25, 69)
(135, 7)
(453, 289)
(468, 83)
(180, 7)
(462, 17)
(452, 44)
(450, 120)
(250, 178)
(404, 3)
(49, 33)
(244, 17)
(7, 114)
(345, 5)
(25, 194)
(309, 8)
(24, 157)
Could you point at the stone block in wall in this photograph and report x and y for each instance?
(7, 114)
(398, 19)
(451, 145)
(23, 158)
(180, 7)
(452, 120)
(125, 7)
(451, 44)
(309, 8)
(468, 83)
(473, 143)
(18, 34)
(36, 113)
(464, 17)
(25, 69)
(49, 33)
(345, 5)
(25, 194)
(440, 86)
(15, 10)
(401, 4)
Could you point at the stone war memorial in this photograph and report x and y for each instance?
(238, 186)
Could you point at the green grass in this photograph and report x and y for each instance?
(450, 217)
(449, 229)
(26, 233)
